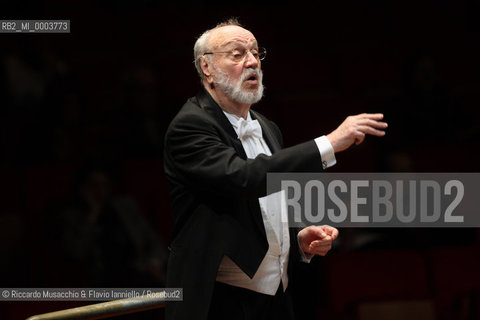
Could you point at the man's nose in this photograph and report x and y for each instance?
(251, 61)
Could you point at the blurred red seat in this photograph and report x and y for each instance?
(382, 283)
(44, 183)
(146, 182)
(456, 280)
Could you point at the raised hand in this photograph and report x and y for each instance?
(354, 129)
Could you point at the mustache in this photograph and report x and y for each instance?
(250, 72)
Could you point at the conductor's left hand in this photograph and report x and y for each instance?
(317, 239)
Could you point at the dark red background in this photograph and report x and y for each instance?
(417, 62)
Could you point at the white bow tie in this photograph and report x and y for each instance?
(249, 128)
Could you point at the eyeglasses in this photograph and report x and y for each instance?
(237, 55)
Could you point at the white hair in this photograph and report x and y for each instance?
(201, 45)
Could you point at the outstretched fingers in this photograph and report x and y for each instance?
(373, 116)
(371, 131)
(354, 129)
(373, 123)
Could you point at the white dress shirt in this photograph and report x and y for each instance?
(273, 268)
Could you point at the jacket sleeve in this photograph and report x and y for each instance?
(198, 154)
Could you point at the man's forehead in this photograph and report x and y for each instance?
(231, 34)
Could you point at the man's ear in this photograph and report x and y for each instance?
(205, 69)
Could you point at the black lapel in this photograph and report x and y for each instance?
(207, 103)
(268, 135)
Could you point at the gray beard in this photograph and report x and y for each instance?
(234, 90)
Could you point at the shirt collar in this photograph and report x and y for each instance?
(234, 119)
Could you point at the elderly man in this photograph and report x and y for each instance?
(230, 252)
